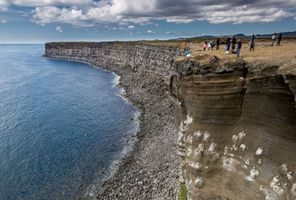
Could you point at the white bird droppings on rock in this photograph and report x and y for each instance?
(276, 186)
(243, 147)
(284, 168)
(234, 138)
(189, 152)
(197, 134)
(241, 135)
(293, 189)
(189, 120)
(199, 182)
(289, 176)
(206, 136)
(229, 163)
(212, 147)
(259, 151)
(194, 165)
(253, 174)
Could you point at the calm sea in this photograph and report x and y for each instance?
(62, 124)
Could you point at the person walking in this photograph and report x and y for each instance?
(227, 45)
(273, 37)
(233, 42)
(279, 40)
(205, 45)
(209, 45)
(252, 43)
(217, 43)
(239, 46)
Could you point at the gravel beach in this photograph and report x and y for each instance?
(151, 170)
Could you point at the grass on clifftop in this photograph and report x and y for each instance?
(182, 191)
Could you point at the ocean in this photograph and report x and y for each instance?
(63, 125)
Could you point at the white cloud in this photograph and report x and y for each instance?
(125, 12)
(131, 27)
(149, 31)
(50, 14)
(180, 20)
(59, 29)
(33, 3)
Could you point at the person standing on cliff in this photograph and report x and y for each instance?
(233, 41)
(239, 46)
(273, 37)
(252, 43)
(227, 45)
(217, 43)
(279, 40)
(205, 45)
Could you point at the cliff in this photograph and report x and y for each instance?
(236, 122)
(237, 130)
(133, 55)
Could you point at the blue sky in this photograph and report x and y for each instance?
(39, 21)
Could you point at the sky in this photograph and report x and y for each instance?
(40, 21)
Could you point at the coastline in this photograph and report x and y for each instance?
(149, 170)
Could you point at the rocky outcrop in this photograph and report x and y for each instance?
(237, 131)
(236, 121)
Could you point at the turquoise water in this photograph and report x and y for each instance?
(61, 124)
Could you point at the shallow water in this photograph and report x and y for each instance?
(60, 124)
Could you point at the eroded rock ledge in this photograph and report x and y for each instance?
(237, 132)
(236, 121)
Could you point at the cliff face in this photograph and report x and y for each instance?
(237, 122)
(133, 56)
(237, 131)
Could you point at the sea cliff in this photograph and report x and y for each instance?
(232, 122)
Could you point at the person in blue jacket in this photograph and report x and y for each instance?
(239, 46)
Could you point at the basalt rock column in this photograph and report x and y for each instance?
(237, 131)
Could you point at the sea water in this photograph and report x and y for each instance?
(62, 124)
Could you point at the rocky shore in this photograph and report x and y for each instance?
(151, 170)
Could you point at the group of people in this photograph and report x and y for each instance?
(231, 42)
(210, 45)
(234, 46)
(275, 37)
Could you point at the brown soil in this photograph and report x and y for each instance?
(284, 55)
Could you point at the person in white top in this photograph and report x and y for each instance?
(273, 37)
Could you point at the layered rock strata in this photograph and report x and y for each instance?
(237, 132)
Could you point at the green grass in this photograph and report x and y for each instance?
(182, 191)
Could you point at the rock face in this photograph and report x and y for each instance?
(237, 132)
(135, 56)
(236, 121)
